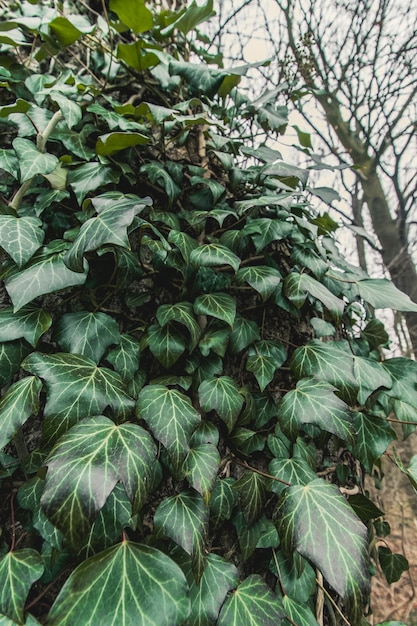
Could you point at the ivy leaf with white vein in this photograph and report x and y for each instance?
(30, 323)
(166, 343)
(19, 402)
(244, 333)
(45, 273)
(253, 603)
(222, 395)
(182, 313)
(85, 465)
(219, 305)
(264, 358)
(171, 418)
(12, 354)
(313, 401)
(317, 521)
(129, 584)
(330, 361)
(297, 286)
(294, 471)
(89, 177)
(213, 255)
(125, 357)
(252, 488)
(200, 468)
(31, 161)
(19, 569)
(20, 237)
(262, 278)
(370, 375)
(300, 614)
(88, 334)
(183, 519)
(76, 388)
(381, 293)
(373, 435)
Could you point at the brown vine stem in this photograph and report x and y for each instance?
(332, 602)
(395, 421)
(257, 471)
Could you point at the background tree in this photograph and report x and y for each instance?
(357, 61)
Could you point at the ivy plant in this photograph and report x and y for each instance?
(193, 380)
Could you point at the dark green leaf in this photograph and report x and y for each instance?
(364, 508)
(264, 358)
(262, 278)
(297, 286)
(252, 604)
(90, 177)
(125, 357)
(220, 305)
(166, 343)
(244, 332)
(370, 375)
(191, 17)
(222, 395)
(182, 313)
(251, 488)
(293, 471)
(200, 468)
(12, 354)
(213, 255)
(111, 143)
(18, 571)
(20, 237)
(372, 437)
(300, 614)
(31, 161)
(19, 402)
(88, 334)
(223, 500)
(393, 565)
(29, 323)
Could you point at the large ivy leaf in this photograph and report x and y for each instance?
(370, 375)
(19, 569)
(76, 388)
(171, 417)
(223, 396)
(19, 402)
(244, 332)
(111, 143)
(330, 361)
(88, 334)
(182, 313)
(297, 286)
(31, 161)
(262, 278)
(191, 17)
(166, 343)
(201, 78)
(85, 465)
(382, 294)
(129, 584)
(219, 305)
(46, 273)
(403, 373)
(294, 471)
(183, 519)
(264, 358)
(108, 227)
(200, 468)
(251, 488)
(264, 230)
(90, 177)
(133, 13)
(29, 323)
(313, 401)
(318, 522)
(252, 604)
(214, 255)
(20, 237)
(300, 614)
(373, 435)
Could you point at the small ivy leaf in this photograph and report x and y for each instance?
(76, 389)
(264, 230)
(222, 501)
(90, 177)
(183, 242)
(251, 488)
(136, 56)
(244, 332)
(200, 468)
(330, 361)
(171, 418)
(307, 257)
(299, 614)
(293, 471)
(31, 161)
(67, 31)
(9, 162)
(70, 110)
(246, 441)
(297, 576)
(382, 294)
(182, 313)
(158, 175)
(364, 508)
(19, 402)
(29, 323)
(215, 339)
(318, 522)
(375, 334)
(29, 497)
(297, 286)
(85, 465)
(130, 577)
(262, 534)
(18, 571)
(12, 354)
(252, 603)
(393, 565)
(45, 273)
(370, 375)
(264, 358)
(111, 143)
(166, 343)
(220, 305)
(108, 227)
(125, 357)
(206, 433)
(262, 278)
(20, 106)
(214, 255)
(191, 17)
(313, 401)
(88, 334)
(322, 328)
(20, 237)
(134, 14)
(372, 437)
(223, 396)
(183, 519)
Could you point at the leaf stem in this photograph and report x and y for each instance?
(332, 602)
(257, 471)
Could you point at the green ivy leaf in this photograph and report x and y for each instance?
(329, 361)
(252, 603)
(20, 106)
(393, 565)
(372, 437)
(317, 521)
(171, 418)
(264, 358)
(297, 286)
(313, 401)
(20, 237)
(136, 56)
(244, 332)
(45, 273)
(90, 177)
(125, 357)
(166, 343)
(141, 587)
(12, 354)
(215, 338)
(182, 313)
(88, 334)
(9, 162)
(251, 488)
(191, 17)
(19, 402)
(370, 375)
(382, 294)
(297, 576)
(70, 110)
(222, 501)
(200, 468)
(30, 323)
(183, 519)
(219, 305)
(69, 30)
(403, 373)
(18, 571)
(134, 14)
(111, 143)
(300, 614)
(214, 255)
(31, 161)
(262, 278)
(29, 497)
(85, 465)
(262, 534)
(76, 389)
(264, 231)
(294, 471)
(223, 396)
(201, 78)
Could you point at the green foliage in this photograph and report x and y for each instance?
(183, 352)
